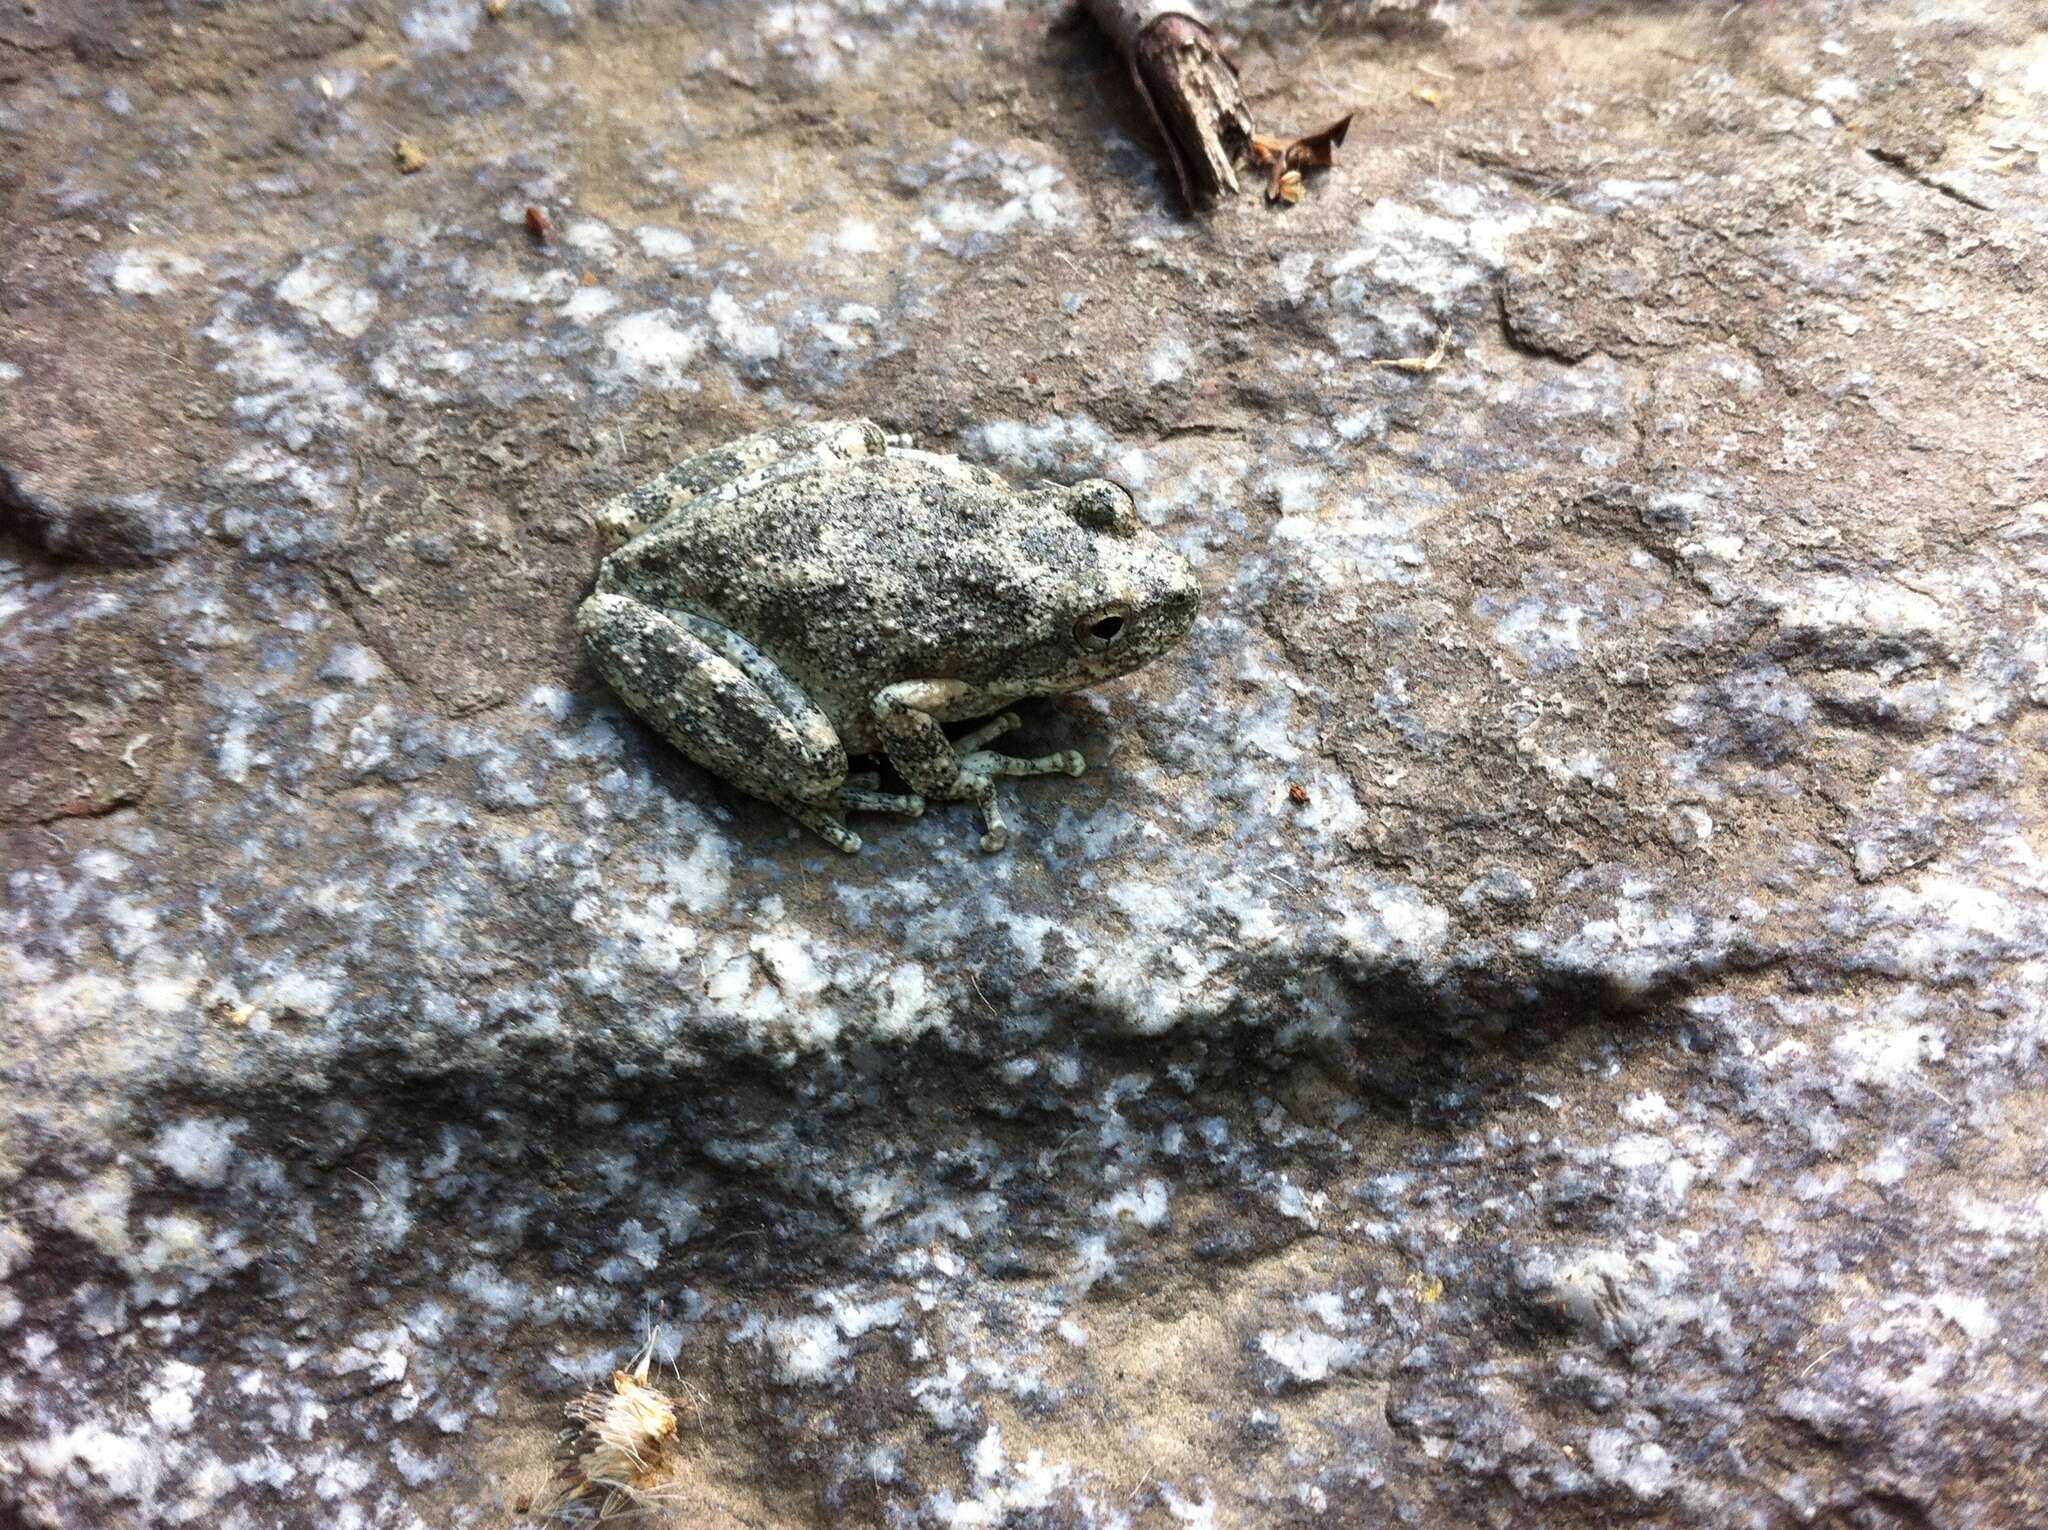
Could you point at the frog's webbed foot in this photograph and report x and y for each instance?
(827, 820)
(862, 794)
(981, 768)
(963, 769)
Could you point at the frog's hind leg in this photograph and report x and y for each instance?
(725, 704)
(786, 449)
(958, 770)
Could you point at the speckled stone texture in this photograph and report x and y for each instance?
(1535, 1017)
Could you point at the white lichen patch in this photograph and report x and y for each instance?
(658, 243)
(317, 288)
(290, 392)
(145, 272)
(806, 1349)
(650, 349)
(1306, 1356)
(587, 303)
(442, 26)
(739, 338)
(976, 198)
(199, 1149)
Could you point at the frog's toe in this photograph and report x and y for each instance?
(853, 799)
(837, 835)
(1067, 762)
(821, 823)
(997, 838)
(989, 731)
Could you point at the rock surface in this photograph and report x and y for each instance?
(1537, 1017)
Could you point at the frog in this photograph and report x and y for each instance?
(786, 603)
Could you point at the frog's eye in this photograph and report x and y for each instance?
(1100, 631)
(1102, 506)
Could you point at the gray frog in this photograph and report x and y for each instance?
(821, 590)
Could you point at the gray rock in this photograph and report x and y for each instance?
(1534, 1017)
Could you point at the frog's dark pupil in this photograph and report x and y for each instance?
(1106, 630)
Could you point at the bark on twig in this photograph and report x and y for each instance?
(1189, 87)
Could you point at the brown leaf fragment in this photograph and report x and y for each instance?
(1319, 149)
(1297, 794)
(409, 156)
(1283, 158)
(538, 223)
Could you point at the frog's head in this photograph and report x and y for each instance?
(1130, 599)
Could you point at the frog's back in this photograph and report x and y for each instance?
(794, 551)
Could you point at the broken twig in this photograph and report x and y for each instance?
(1188, 86)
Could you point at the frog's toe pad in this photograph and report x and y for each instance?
(838, 836)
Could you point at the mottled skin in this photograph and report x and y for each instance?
(816, 592)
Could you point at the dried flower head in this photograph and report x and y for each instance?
(622, 1457)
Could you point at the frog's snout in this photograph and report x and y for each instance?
(1180, 600)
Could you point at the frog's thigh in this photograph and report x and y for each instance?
(787, 449)
(717, 698)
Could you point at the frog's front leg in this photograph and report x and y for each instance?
(908, 716)
(727, 705)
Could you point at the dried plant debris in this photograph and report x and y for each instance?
(1427, 363)
(624, 1453)
(410, 156)
(1188, 86)
(1284, 159)
(538, 223)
